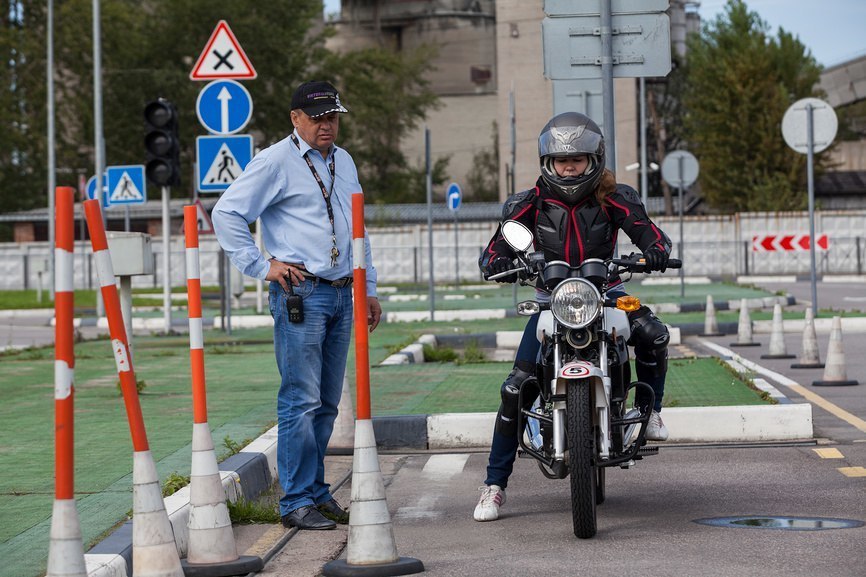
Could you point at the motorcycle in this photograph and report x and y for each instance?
(573, 411)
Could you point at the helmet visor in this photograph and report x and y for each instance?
(569, 141)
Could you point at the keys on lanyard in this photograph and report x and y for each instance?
(335, 252)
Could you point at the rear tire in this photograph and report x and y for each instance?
(582, 470)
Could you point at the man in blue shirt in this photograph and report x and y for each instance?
(301, 188)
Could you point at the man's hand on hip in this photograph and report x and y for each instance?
(281, 271)
(374, 312)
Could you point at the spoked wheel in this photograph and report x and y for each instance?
(582, 471)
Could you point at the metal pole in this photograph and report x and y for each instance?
(456, 255)
(607, 84)
(431, 293)
(166, 264)
(99, 160)
(680, 163)
(52, 180)
(126, 225)
(512, 109)
(644, 169)
(810, 177)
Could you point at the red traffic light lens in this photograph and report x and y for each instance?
(158, 114)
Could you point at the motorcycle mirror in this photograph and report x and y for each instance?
(517, 235)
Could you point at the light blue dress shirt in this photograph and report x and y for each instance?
(278, 187)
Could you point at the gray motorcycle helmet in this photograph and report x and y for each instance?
(571, 134)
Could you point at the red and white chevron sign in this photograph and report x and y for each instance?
(787, 242)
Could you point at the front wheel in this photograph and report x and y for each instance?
(581, 461)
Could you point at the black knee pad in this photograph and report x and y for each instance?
(647, 331)
(506, 420)
(656, 362)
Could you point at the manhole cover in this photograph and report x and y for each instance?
(784, 523)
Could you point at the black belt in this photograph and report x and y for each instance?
(338, 283)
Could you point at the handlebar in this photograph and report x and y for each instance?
(631, 263)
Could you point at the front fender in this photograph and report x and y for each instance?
(582, 370)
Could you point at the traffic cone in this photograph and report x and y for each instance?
(835, 374)
(343, 436)
(777, 337)
(371, 549)
(809, 357)
(744, 328)
(711, 326)
(211, 550)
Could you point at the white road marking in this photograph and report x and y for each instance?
(444, 466)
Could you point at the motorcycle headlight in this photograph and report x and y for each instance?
(575, 303)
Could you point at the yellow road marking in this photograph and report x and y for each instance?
(829, 453)
(828, 406)
(853, 471)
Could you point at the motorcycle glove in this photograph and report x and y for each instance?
(501, 264)
(656, 259)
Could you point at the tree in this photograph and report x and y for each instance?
(387, 95)
(739, 83)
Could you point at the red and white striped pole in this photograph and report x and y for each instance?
(65, 549)
(154, 553)
(212, 549)
(371, 542)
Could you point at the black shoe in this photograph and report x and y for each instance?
(307, 518)
(333, 511)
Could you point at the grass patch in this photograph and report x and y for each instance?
(173, 482)
(439, 354)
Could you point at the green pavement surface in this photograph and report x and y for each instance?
(242, 383)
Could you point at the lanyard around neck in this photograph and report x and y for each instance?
(326, 194)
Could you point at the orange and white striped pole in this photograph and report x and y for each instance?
(211, 541)
(65, 549)
(371, 542)
(154, 553)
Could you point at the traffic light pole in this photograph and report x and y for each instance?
(166, 260)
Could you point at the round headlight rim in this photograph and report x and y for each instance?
(594, 290)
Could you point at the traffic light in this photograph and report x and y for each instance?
(162, 143)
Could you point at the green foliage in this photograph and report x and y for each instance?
(173, 482)
(233, 446)
(472, 354)
(482, 180)
(140, 385)
(387, 96)
(245, 512)
(739, 81)
(148, 51)
(439, 354)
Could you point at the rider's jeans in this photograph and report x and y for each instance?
(503, 451)
(311, 358)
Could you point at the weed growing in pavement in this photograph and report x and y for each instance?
(747, 377)
(439, 354)
(230, 349)
(173, 482)
(233, 446)
(245, 512)
(396, 348)
(140, 385)
(472, 354)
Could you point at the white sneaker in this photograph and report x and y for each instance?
(492, 497)
(655, 429)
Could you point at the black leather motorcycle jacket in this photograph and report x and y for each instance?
(576, 233)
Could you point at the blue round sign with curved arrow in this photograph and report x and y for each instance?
(224, 107)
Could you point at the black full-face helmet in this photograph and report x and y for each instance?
(571, 134)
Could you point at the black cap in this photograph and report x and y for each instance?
(317, 98)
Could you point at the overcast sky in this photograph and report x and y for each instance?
(834, 30)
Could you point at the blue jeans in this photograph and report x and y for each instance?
(311, 358)
(503, 449)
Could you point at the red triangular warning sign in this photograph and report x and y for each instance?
(222, 57)
(205, 226)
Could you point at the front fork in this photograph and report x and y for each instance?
(600, 399)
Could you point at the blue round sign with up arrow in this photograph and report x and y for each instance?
(224, 107)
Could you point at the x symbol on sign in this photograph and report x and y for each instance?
(223, 59)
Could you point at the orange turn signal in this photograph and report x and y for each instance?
(628, 303)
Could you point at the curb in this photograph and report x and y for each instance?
(245, 474)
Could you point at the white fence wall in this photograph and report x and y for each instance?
(717, 246)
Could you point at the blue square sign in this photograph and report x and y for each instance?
(126, 184)
(221, 159)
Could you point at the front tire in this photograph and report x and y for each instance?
(581, 463)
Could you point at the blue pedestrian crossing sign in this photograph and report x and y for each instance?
(126, 184)
(453, 197)
(224, 107)
(220, 160)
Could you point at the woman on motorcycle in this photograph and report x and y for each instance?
(575, 212)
